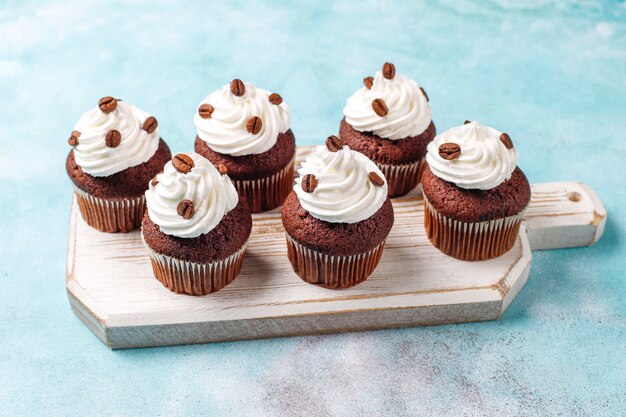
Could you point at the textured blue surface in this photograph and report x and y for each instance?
(552, 74)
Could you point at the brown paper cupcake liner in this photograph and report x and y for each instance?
(193, 278)
(329, 271)
(471, 241)
(269, 192)
(111, 215)
(402, 178)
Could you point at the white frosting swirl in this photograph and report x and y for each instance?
(484, 162)
(212, 194)
(409, 112)
(225, 131)
(344, 193)
(137, 145)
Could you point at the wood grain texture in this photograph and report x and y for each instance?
(564, 215)
(111, 287)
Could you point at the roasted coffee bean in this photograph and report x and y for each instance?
(237, 87)
(275, 98)
(334, 144)
(389, 70)
(449, 150)
(376, 179)
(380, 108)
(309, 183)
(182, 163)
(205, 111)
(186, 209)
(150, 124)
(254, 125)
(506, 140)
(113, 139)
(107, 104)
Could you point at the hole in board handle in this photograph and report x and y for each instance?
(574, 196)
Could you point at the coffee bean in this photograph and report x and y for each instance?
(182, 163)
(154, 180)
(376, 179)
(389, 70)
(368, 82)
(205, 111)
(254, 125)
(449, 150)
(113, 139)
(380, 108)
(275, 98)
(467, 122)
(506, 140)
(334, 144)
(424, 92)
(107, 104)
(237, 87)
(309, 183)
(73, 140)
(186, 209)
(222, 169)
(150, 124)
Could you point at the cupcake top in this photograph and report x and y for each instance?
(113, 136)
(240, 119)
(390, 105)
(339, 185)
(190, 197)
(472, 156)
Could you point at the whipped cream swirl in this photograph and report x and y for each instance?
(484, 162)
(344, 192)
(212, 194)
(409, 112)
(136, 147)
(225, 131)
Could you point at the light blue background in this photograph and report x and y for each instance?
(550, 73)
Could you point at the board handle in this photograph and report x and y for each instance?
(563, 215)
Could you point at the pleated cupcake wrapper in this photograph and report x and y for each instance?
(193, 278)
(471, 241)
(402, 178)
(111, 215)
(269, 192)
(332, 271)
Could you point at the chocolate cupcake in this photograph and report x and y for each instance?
(474, 193)
(247, 129)
(389, 121)
(116, 150)
(337, 218)
(196, 228)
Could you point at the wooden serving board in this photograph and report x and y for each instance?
(112, 290)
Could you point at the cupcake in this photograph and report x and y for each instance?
(196, 228)
(116, 150)
(247, 129)
(337, 218)
(474, 193)
(389, 121)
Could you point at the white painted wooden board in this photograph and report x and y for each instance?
(112, 290)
